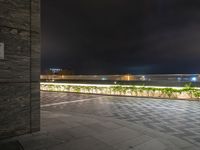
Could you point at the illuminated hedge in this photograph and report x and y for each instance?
(186, 92)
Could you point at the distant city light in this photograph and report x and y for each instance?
(103, 79)
(128, 78)
(194, 79)
(55, 70)
(143, 78)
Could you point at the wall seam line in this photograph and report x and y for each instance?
(30, 66)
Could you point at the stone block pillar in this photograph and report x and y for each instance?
(20, 68)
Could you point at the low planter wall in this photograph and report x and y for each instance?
(187, 92)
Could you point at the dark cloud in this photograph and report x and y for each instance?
(121, 36)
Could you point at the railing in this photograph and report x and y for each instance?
(157, 79)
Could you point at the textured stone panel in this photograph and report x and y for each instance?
(17, 42)
(19, 96)
(35, 107)
(15, 13)
(35, 16)
(14, 109)
(16, 65)
(35, 57)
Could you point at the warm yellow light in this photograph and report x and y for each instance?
(128, 78)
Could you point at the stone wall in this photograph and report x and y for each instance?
(19, 71)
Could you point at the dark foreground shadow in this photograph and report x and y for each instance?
(11, 145)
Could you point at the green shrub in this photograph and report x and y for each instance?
(123, 90)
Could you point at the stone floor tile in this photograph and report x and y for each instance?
(117, 136)
(131, 143)
(98, 128)
(151, 145)
(80, 132)
(87, 143)
(174, 117)
(111, 125)
(39, 142)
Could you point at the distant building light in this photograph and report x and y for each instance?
(194, 79)
(55, 70)
(143, 78)
(103, 79)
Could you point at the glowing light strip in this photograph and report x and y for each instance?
(108, 85)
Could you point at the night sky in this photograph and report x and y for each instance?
(121, 36)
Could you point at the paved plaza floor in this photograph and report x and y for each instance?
(95, 122)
